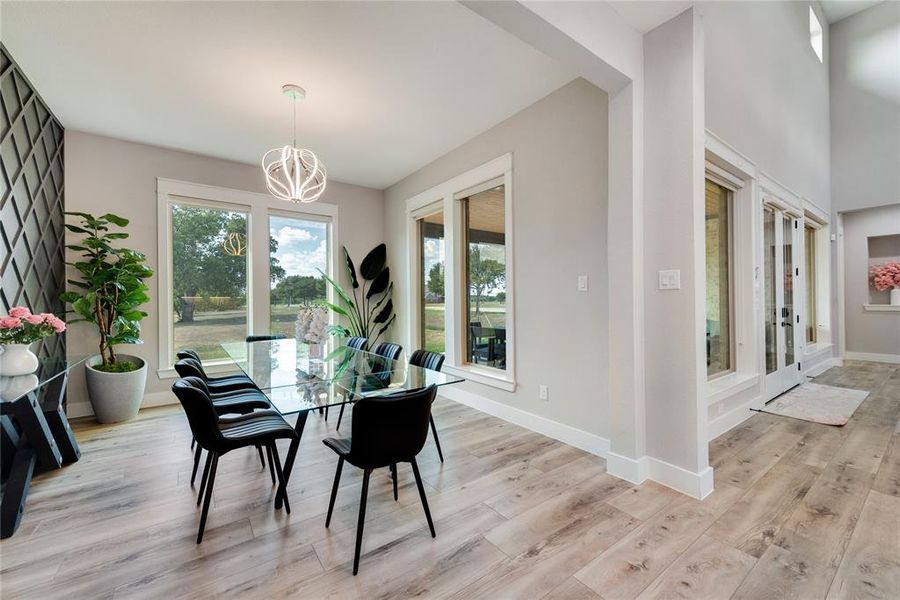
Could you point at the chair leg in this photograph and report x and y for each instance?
(273, 457)
(437, 442)
(362, 519)
(193, 441)
(196, 464)
(205, 477)
(334, 488)
(340, 416)
(422, 495)
(271, 466)
(394, 479)
(208, 499)
(326, 414)
(262, 461)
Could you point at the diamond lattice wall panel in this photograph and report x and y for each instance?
(32, 236)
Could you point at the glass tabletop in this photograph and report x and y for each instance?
(13, 388)
(295, 378)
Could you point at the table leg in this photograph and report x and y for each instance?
(291, 455)
(16, 490)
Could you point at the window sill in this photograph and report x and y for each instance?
(729, 385)
(881, 307)
(482, 376)
(215, 368)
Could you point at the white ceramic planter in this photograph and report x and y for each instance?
(17, 359)
(115, 396)
(895, 296)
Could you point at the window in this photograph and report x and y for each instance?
(815, 34)
(234, 263)
(209, 278)
(719, 301)
(460, 266)
(298, 255)
(809, 243)
(769, 252)
(432, 304)
(485, 272)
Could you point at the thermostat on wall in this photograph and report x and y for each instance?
(670, 279)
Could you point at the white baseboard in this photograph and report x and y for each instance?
(822, 366)
(567, 434)
(84, 409)
(883, 358)
(697, 485)
(733, 418)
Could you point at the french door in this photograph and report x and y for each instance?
(781, 243)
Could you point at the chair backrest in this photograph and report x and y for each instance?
(202, 416)
(427, 360)
(265, 338)
(357, 343)
(388, 350)
(390, 429)
(188, 353)
(188, 367)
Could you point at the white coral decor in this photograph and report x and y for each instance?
(311, 323)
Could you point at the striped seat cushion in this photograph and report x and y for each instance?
(267, 424)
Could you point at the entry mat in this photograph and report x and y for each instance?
(818, 403)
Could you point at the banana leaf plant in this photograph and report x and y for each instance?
(367, 308)
(112, 287)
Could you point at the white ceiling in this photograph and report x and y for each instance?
(835, 10)
(391, 86)
(645, 15)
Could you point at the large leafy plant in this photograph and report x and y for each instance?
(112, 287)
(367, 308)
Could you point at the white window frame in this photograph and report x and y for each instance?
(815, 217)
(447, 194)
(258, 208)
(816, 35)
(727, 167)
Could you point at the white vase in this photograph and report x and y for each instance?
(17, 359)
(895, 296)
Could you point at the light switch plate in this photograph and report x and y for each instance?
(670, 279)
(543, 392)
(582, 283)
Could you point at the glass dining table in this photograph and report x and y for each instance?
(299, 378)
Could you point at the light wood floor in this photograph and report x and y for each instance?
(800, 511)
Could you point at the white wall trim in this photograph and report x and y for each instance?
(820, 367)
(697, 485)
(734, 417)
(75, 410)
(870, 356)
(567, 434)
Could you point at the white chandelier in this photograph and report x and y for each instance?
(292, 173)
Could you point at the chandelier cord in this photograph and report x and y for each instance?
(294, 102)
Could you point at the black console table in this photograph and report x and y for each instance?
(34, 434)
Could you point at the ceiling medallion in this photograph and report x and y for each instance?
(292, 173)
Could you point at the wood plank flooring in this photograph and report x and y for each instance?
(800, 510)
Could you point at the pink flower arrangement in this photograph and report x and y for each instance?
(886, 275)
(22, 327)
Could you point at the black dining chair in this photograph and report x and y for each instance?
(385, 350)
(385, 431)
(218, 437)
(265, 338)
(217, 384)
(241, 400)
(433, 361)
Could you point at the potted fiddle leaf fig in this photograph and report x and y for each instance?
(110, 293)
(367, 308)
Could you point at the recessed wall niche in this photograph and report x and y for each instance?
(882, 249)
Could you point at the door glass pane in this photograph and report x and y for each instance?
(484, 230)
(298, 254)
(431, 284)
(209, 279)
(772, 319)
(718, 279)
(809, 237)
(788, 310)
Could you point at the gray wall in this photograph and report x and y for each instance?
(865, 108)
(767, 92)
(868, 332)
(559, 147)
(109, 175)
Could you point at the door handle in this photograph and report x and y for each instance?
(786, 324)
